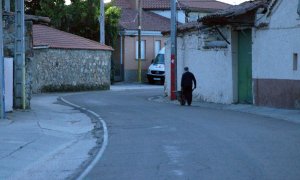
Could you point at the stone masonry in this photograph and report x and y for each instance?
(70, 70)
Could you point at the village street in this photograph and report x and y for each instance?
(148, 139)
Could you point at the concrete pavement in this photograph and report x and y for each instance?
(54, 141)
(50, 141)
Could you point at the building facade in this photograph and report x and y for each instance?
(276, 51)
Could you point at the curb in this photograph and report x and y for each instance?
(102, 140)
(283, 114)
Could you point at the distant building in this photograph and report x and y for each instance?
(155, 19)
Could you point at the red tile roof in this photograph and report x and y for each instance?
(150, 21)
(48, 36)
(156, 4)
(228, 16)
(123, 4)
(203, 5)
(207, 5)
(154, 22)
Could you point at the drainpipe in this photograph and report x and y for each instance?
(121, 49)
(2, 84)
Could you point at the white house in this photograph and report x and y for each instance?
(276, 51)
(245, 54)
(219, 52)
(212, 66)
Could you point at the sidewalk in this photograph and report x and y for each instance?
(283, 114)
(48, 142)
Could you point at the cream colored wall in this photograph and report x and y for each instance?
(130, 63)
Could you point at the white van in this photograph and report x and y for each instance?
(156, 71)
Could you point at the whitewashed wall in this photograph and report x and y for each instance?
(212, 68)
(167, 14)
(273, 47)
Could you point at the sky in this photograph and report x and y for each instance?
(235, 2)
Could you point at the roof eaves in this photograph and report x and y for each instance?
(233, 12)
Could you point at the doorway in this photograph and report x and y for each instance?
(245, 66)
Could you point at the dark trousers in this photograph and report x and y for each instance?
(188, 94)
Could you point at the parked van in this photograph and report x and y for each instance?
(156, 71)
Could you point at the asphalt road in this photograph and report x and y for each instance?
(151, 140)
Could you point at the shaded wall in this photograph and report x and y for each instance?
(276, 58)
(129, 56)
(70, 70)
(213, 68)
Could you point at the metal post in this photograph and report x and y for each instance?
(7, 5)
(139, 43)
(102, 22)
(19, 64)
(173, 51)
(2, 84)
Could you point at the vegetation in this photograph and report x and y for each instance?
(80, 17)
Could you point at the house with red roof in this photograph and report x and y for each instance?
(67, 62)
(56, 60)
(155, 19)
(247, 54)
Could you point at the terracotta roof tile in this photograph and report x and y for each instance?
(150, 21)
(207, 5)
(235, 11)
(204, 5)
(48, 36)
(123, 4)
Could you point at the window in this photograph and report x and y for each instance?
(143, 49)
(295, 62)
(212, 39)
(157, 47)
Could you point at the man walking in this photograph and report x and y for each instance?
(187, 81)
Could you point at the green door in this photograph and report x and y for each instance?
(245, 66)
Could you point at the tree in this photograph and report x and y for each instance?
(55, 10)
(31, 7)
(112, 16)
(82, 18)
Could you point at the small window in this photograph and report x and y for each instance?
(143, 49)
(295, 62)
(157, 47)
(212, 39)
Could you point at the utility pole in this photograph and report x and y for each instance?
(139, 42)
(173, 50)
(2, 84)
(102, 22)
(19, 61)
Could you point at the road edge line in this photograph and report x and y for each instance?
(104, 142)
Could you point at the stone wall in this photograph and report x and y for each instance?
(70, 70)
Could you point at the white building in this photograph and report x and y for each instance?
(276, 51)
(219, 53)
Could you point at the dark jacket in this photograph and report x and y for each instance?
(187, 79)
